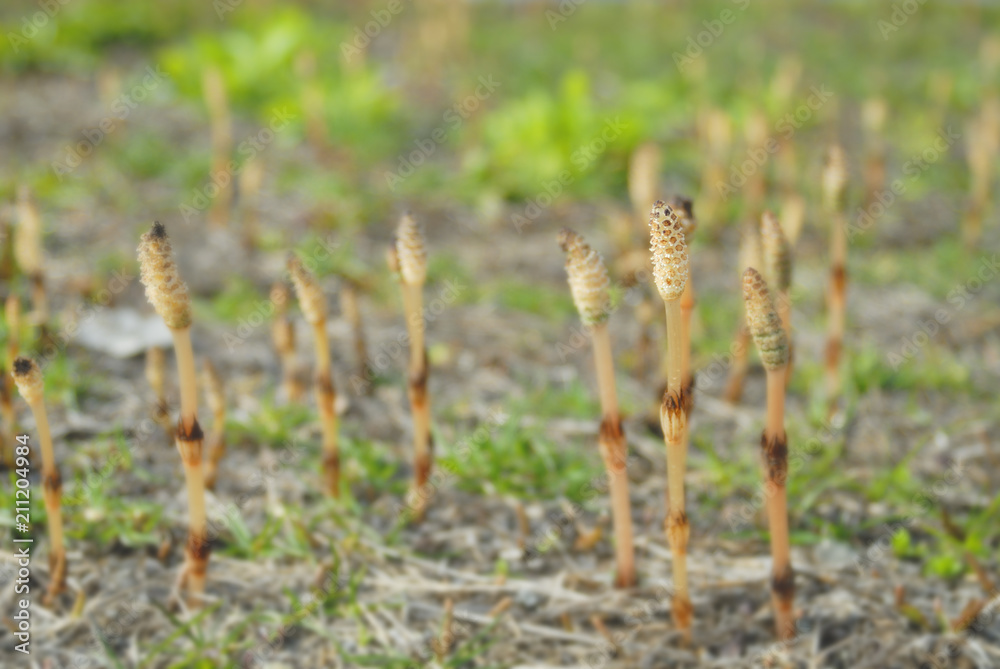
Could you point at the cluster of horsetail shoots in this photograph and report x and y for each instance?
(408, 260)
(28, 253)
(772, 345)
(215, 396)
(313, 304)
(169, 296)
(588, 282)
(668, 250)
(749, 256)
(156, 363)
(28, 377)
(777, 266)
(835, 204)
(214, 90)
(12, 313)
(283, 336)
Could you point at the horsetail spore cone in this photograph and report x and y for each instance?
(313, 304)
(777, 257)
(408, 259)
(769, 335)
(588, 281)
(668, 250)
(169, 296)
(28, 378)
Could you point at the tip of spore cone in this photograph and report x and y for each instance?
(668, 249)
(28, 378)
(588, 278)
(764, 322)
(159, 274)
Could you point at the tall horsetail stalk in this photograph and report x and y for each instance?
(214, 89)
(12, 313)
(749, 256)
(215, 395)
(588, 282)
(777, 264)
(350, 305)
(169, 296)
(410, 255)
(835, 204)
(313, 304)
(29, 255)
(981, 150)
(156, 363)
(668, 251)
(769, 335)
(873, 116)
(28, 378)
(283, 335)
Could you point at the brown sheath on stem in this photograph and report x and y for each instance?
(169, 296)
(834, 199)
(28, 378)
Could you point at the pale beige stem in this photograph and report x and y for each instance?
(189, 443)
(775, 453)
(673, 421)
(836, 303)
(614, 452)
(52, 493)
(419, 400)
(352, 312)
(326, 401)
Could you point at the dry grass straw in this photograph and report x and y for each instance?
(835, 205)
(213, 87)
(215, 396)
(777, 266)
(409, 255)
(283, 336)
(589, 282)
(12, 315)
(169, 296)
(769, 335)
(749, 256)
(29, 255)
(313, 304)
(668, 250)
(156, 364)
(28, 377)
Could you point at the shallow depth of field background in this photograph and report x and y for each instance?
(497, 124)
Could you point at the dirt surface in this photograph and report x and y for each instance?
(556, 607)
